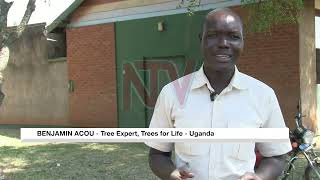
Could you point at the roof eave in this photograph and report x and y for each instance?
(64, 15)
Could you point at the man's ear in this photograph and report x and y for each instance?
(200, 36)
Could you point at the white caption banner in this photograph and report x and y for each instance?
(154, 134)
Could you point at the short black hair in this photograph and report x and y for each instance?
(228, 10)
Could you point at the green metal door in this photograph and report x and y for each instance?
(160, 71)
(139, 42)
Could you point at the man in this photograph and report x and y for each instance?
(219, 96)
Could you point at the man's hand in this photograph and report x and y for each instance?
(250, 176)
(180, 174)
(163, 167)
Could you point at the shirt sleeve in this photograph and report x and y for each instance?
(161, 118)
(274, 120)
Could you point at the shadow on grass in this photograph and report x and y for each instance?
(10, 132)
(13, 131)
(76, 161)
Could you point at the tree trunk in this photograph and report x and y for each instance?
(9, 35)
(14, 35)
(4, 9)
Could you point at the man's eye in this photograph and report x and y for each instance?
(235, 36)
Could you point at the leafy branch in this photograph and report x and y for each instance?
(8, 35)
(191, 5)
(263, 14)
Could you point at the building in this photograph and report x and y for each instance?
(120, 53)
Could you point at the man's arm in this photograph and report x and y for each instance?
(161, 163)
(163, 167)
(271, 167)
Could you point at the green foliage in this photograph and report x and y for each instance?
(191, 5)
(264, 14)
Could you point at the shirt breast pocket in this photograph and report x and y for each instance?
(241, 121)
(246, 116)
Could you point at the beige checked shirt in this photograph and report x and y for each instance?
(244, 103)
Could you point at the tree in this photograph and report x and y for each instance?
(263, 14)
(9, 35)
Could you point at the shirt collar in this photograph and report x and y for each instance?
(200, 79)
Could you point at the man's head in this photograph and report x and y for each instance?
(222, 40)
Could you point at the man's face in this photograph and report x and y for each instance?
(222, 41)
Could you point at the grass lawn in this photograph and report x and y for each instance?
(33, 161)
(127, 161)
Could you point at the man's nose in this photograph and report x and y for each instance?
(223, 43)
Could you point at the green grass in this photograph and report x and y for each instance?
(62, 161)
(71, 161)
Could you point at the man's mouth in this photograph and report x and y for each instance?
(223, 58)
